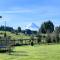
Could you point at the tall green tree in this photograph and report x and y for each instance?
(19, 29)
(47, 27)
(57, 29)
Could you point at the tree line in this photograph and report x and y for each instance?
(48, 33)
(46, 27)
(18, 30)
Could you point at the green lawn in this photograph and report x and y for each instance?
(37, 52)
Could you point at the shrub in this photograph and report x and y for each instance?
(39, 39)
(48, 39)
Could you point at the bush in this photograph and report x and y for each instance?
(48, 39)
(32, 43)
(56, 35)
(39, 39)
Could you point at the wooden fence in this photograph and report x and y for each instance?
(17, 42)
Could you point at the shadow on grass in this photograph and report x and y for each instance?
(15, 53)
(19, 53)
(3, 51)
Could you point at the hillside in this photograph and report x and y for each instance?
(14, 36)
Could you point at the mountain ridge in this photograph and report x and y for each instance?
(32, 26)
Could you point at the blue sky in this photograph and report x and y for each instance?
(24, 12)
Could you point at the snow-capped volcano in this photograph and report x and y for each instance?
(32, 26)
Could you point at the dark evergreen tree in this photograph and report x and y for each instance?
(47, 27)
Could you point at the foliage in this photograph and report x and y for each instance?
(28, 31)
(19, 29)
(48, 39)
(2, 28)
(34, 32)
(39, 39)
(57, 38)
(32, 37)
(57, 29)
(47, 27)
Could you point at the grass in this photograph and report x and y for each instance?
(14, 36)
(37, 52)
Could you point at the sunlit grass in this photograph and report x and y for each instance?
(37, 52)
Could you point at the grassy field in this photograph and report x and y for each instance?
(14, 36)
(37, 52)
